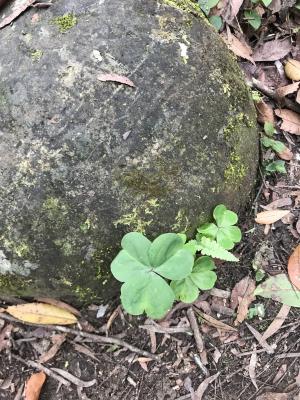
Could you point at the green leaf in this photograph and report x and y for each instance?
(216, 22)
(151, 294)
(137, 245)
(192, 246)
(253, 18)
(185, 290)
(209, 230)
(182, 237)
(276, 166)
(275, 145)
(206, 5)
(204, 280)
(124, 267)
(164, 247)
(269, 128)
(204, 263)
(279, 288)
(212, 248)
(266, 3)
(228, 236)
(224, 217)
(257, 311)
(178, 266)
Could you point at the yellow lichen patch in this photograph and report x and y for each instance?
(36, 55)
(185, 6)
(138, 219)
(65, 22)
(181, 222)
(235, 171)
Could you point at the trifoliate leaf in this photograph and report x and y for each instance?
(224, 217)
(164, 247)
(208, 230)
(185, 290)
(137, 245)
(176, 267)
(276, 166)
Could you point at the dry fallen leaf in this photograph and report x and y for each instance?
(40, 313)
(286, 154)
(290, 120)
(294, 267)
(264, 112)
(272, 396)
(4, 337)
(292, 70)
(23, 7)
(115, 78)
(231, 9)
(57, 341)
(281, 371)
(277, 322)
(215, 323)
(34, 385)
(272, 50)
(298, 97)
(282, 202)
(241, 49)
(241, 297)
(271, 216)
(59, 304)
(204, 385)
(252, 366)
(288, 89)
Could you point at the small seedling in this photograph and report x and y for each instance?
(275, 145)
(253, 18)
(269, 129)
(156, 273)
(276, 166)
(223, 231)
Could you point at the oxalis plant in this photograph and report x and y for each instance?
(155, 274)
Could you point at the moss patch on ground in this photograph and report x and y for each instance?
(65, 22)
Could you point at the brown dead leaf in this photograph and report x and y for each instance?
(264, 112)
(215, 323)
(272, 50)
(115, 78)
(282, 202)
(34, 385)
(281, 371)
(231, 9)
(23, 7)
(271, 216)
(290, 120)
(204, 385)
(252, 366)
(288, 89)
(258, 336)
(272, 396)
(294, 267)
(298, 97)
(241, 297)
(286, 154)
(85, 350)
(40, 313)
(275, 6)
(277, 322)
(4, 337)
(57, 341)
(241, 49)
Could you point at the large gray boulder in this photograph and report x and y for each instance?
(83, 161)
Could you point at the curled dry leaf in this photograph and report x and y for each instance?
(294, 267)
(231, 9)
(288, 89)
(34, 385)
(204, 385)
(241, 49)
(215, 323)
(18, 11)
(241, 297)
(40, 313)
(115, 78)
(252, 366)
(271, 216)
(290, 120)
(292, 70)
(272, 50)
(57, 341)
(264, 112)
(59, 304)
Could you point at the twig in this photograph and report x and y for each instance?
(274, 96)
(171, 330)
(41, 367)
(93, 337)
(195, 329)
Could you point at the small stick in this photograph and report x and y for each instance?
(41, 367)
(274, 96)
(93, 337)
(195, 329)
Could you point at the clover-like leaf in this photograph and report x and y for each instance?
(202, 277)
(149, 293)
(178, 266)
(137, 245)
(223, 231)
(124, 267)
(164, 247)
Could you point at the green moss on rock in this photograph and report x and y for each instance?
(65, 22)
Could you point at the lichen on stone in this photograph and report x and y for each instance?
(36, 55)
(235, 170)
(65, 22)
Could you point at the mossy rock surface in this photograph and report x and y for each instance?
(84, 161)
